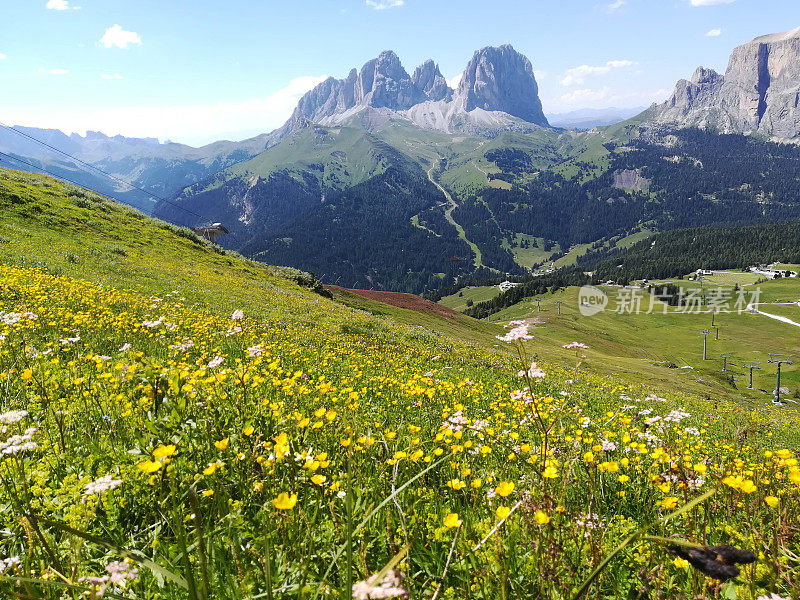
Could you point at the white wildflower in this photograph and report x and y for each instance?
(676, 416)
(608, 446)
(373, 588)
(215, 362)
(19, 443)
(575, 346)
(534, 372)
(11, 318)
(520, 332)
(12, 562)
(13, 416)
(105, 483)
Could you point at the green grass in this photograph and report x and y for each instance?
(572, 255)
(66, 230)
(477, 294)
(527, 257)
(642, 347)
(630, 240)
(338, 156)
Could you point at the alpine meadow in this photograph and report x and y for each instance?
(525, 331)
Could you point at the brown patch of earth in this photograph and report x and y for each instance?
(408, 301)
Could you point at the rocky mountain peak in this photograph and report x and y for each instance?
(500, 78)
(383, 82)
(496, 79)
(428, 78)
(778, 37)
(703, 75)
(759, 93)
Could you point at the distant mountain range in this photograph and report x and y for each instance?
(395, 181)
(589, 118)
(159, 169)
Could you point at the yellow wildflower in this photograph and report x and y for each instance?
(504, 489)
(149, 466)
(164, 451)
(669, 503)
(680, 563)
(452, 520)
(284, 501)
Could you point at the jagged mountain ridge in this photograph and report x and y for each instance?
(497, 92)
(759, 92)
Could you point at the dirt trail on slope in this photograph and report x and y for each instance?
(448, 214)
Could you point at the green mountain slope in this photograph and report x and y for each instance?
(339, 201)
(403, 208)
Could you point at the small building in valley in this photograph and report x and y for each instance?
(773, 271)
(210, 231)
(507, 285)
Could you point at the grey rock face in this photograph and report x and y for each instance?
(381, 83)
(430, 80)
(759, 93)
(384, 83)
(502, 79)
(497, 80)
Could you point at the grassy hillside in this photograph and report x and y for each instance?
(63, 229)
(666, 349)
(157, 444)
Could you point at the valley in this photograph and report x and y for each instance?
(448, 214)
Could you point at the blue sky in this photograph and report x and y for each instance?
(195, 71)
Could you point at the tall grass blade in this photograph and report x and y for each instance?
(640, 532)
(135, 556)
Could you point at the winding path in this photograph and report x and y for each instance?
(448, 214)
(786, 320)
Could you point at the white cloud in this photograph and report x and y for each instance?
(601, 98)
(53, 71)
(615, 6)
(3, 57)
(454, 81)
(539, 75)
(194, 124)
(577, 75)
(111, 76)
(710, 2)
(117, 36)
(60, 5)
(585, 97)
(384, 4)
(716, 32)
